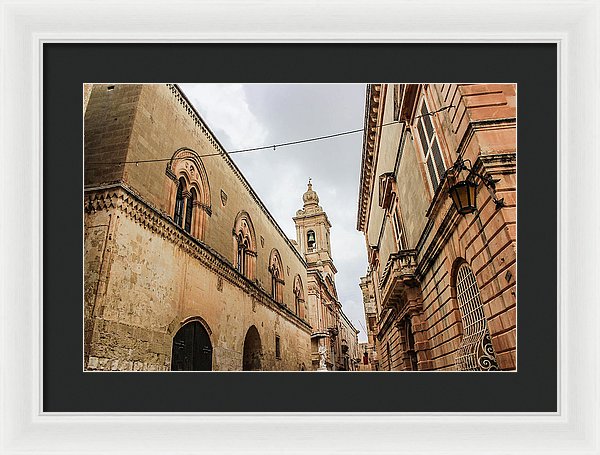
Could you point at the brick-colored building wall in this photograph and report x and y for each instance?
(477, 122)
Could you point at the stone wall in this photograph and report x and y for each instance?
(145, 276)
(158, 279)
(159, 122)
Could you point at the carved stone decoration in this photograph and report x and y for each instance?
(223, 198)
(186, 166)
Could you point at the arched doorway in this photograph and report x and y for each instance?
(192, 349)
(252, 350)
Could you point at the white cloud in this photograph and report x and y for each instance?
(225, 108)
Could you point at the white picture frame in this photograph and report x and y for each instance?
(573, 25)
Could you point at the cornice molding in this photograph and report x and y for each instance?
(370, 140)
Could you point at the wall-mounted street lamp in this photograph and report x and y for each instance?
(463, 192)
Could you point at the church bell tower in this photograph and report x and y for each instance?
(312, 233)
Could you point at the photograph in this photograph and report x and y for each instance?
(314, 227)
(237, 229)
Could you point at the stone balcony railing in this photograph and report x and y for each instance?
(398, 275)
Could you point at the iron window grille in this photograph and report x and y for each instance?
(476, 352)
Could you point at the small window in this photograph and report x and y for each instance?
(277, 347)
(277, 278)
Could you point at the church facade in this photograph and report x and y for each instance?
(440, 290)
(184, 266)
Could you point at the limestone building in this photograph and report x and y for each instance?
(440, 290)
(184, 266)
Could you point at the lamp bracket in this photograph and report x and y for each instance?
(489, 182)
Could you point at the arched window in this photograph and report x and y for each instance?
(189, 196)
(476, 351)
(244, 243)
(242, 247)
(179, 203)
(299, 297)
(311, 241)
(276, 271)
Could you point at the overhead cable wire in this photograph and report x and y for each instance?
(265, 147)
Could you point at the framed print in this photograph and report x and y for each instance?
(544, 66)
(123, 333)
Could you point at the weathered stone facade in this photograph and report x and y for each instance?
(440, 293)
(185, 268)
(181, 242)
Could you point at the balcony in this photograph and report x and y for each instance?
(397, 278)
(370, 307)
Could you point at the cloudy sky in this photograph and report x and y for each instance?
(253, 115)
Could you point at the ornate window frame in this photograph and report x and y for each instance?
(185, 165)
(244, 245)
(277, 275)
(299, 301)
